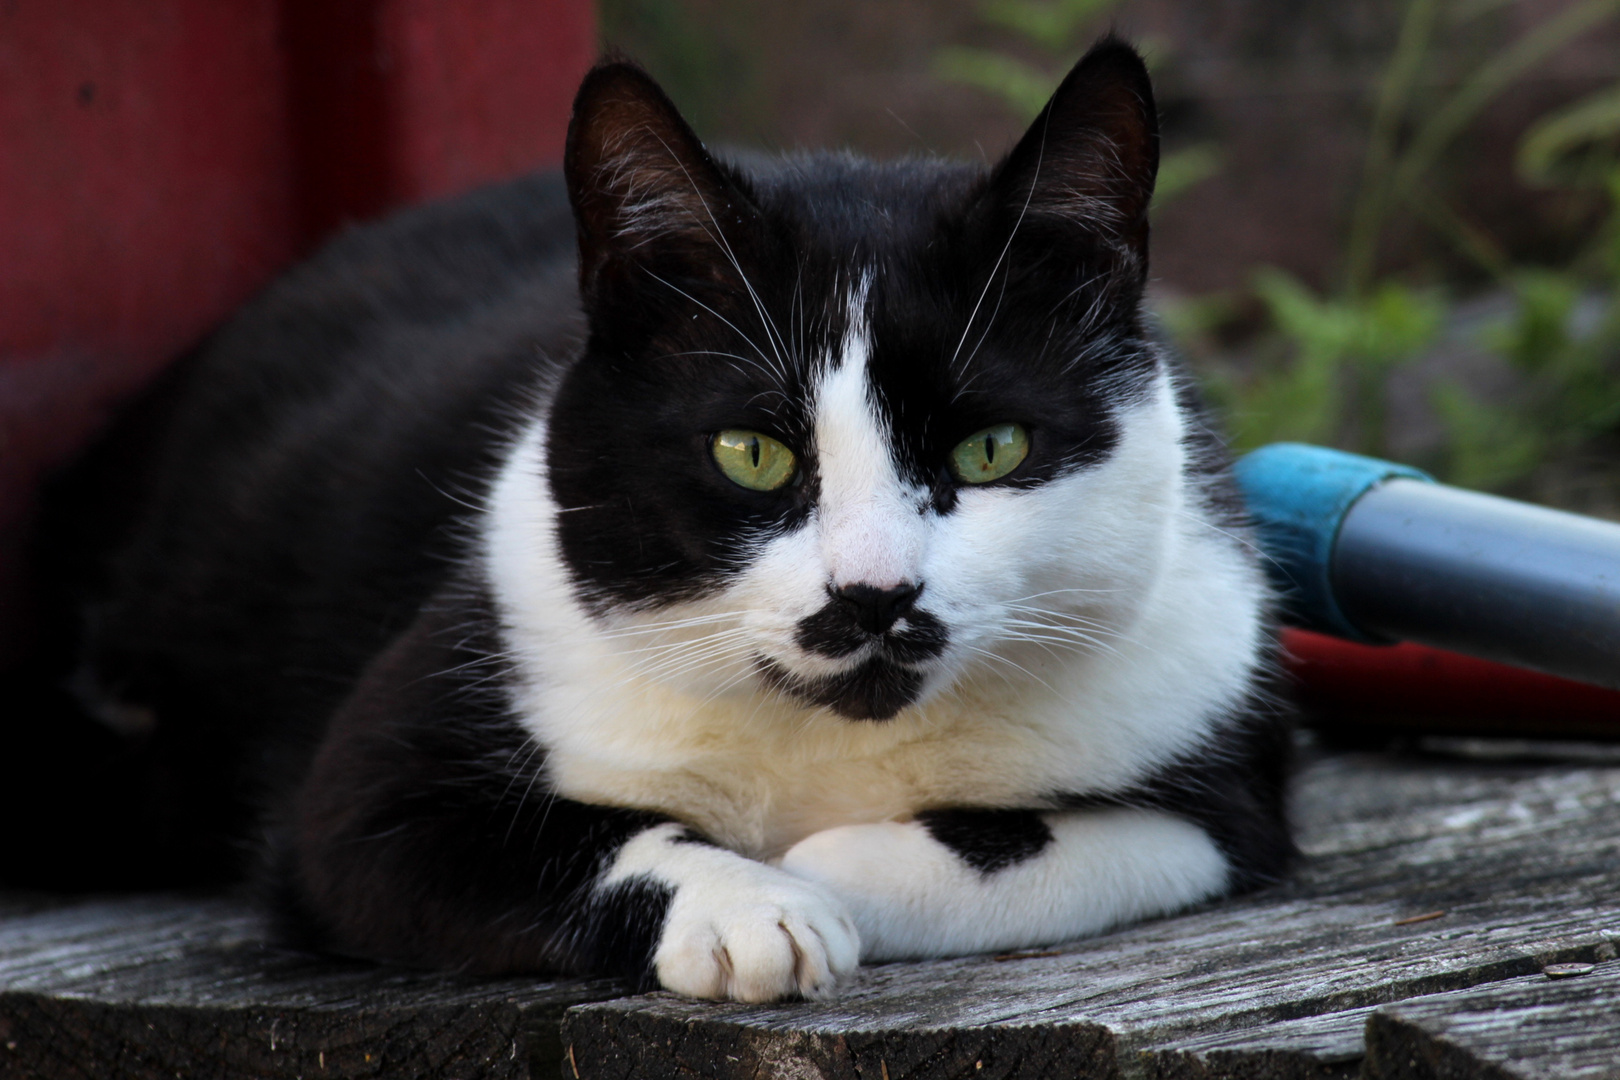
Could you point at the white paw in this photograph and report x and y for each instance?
(899, 885)
(752, 933)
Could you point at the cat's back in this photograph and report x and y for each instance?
(296, 483)
(442, 299)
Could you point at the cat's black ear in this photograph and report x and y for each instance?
(639, 178)
(1090, 158)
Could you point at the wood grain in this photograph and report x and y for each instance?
(159, 986)
(1526, 1028)
(1326, 1047)
(1318, 979)
(1521, 859)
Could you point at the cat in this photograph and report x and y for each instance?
(714, 573)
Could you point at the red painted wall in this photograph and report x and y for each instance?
(396, 101)
(161, 159)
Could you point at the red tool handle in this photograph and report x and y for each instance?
(1416, 689)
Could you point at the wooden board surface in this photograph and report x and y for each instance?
(1532, 1028)
(1521, 860)
(164, 986)
(1327, 977)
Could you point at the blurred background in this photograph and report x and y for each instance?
(1385, 225)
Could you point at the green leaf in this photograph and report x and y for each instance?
(1396, 324)
(1567, 146)
(1392, 325)
(1329, 386)
(1184, 168)
(1023, 87)
(1538, 335)
(1051, 24)
(1491, 79)
(1488, 447)
(1299, 402)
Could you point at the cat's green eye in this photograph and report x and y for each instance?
(751, 460)
(990, 454)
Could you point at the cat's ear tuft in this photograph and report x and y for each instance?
(1091, 156)
(636, 172)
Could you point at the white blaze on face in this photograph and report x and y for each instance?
(867, 519)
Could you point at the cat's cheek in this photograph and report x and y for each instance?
(737, 929)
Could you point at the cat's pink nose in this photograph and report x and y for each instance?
(877, 609)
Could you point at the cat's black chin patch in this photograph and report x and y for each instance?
(876, 690)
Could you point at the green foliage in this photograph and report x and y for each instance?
(1181, 169)
(1056, 28)
(703, 61)
(1563, 340)
(1320, 366)
(1052, 24)
(1059, 30)
(1488, 446)
(1577, 146)
(1321, 371)
(1377, 332)
(1023, 87)
(1327, 384)
(1403, 173)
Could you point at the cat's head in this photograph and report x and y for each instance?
(847, 430)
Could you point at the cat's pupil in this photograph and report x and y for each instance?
(753, 451)
(990, 449)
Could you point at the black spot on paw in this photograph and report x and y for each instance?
(989, 840)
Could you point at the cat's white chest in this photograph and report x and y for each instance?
(759, 776)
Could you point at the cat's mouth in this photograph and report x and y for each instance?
(875, 689)
(885, 675)
(834, 633)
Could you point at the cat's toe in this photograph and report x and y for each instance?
(757, 944)
(823, 955)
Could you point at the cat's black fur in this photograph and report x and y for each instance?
(289, 590)
(253, 535)
(485, 874)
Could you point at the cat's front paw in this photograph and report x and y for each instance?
(850, 860)
(752, 933)
(902, 888)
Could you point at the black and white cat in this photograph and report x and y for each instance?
(713, 574)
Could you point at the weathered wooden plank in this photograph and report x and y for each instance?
(643, 1046)
(1521, 861)
(1327, 1047)
(1531, 1028)
(1528, 1028)
(1190, 975)
(160, 986)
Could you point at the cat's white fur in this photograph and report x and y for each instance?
(1099, 627)
(912, 897)
(738, 928)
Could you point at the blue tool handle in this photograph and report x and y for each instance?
(1374, 551)
(1298, 496)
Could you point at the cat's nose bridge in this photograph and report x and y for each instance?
(877, 542)
(870, 531)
